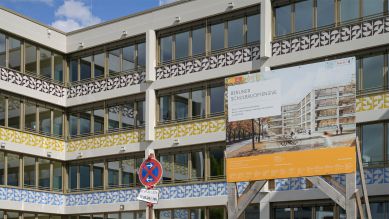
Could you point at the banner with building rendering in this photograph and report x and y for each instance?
(291, 122)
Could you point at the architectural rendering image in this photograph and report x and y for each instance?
(194, 109)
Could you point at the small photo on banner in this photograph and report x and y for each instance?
(291, 122)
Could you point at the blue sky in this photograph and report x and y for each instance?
(69, 15)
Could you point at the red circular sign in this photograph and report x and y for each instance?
(150, 172)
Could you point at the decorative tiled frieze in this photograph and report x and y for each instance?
(32, 83)
(224, 59)
(29, 139)
(190, 128)
(109, 140)
(106, 84)
(33, 197)
(372, 102)
(330, 37)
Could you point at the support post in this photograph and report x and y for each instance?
(329, 190)
(232, 201)
(351, 205)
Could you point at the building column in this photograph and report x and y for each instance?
(266, 28)
(151, 56)
(150, 117)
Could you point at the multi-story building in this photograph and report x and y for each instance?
(80, 110)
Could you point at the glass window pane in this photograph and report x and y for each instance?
(30, 58)
(97, 216)
(128, 115)
(2, 111)
(113, 173)
(303, 213)
(138, 162)
(325, 12)
(128, 58)
(58, 123)
(217, 99)
(216, 159)
(2, 50)
(85, 68)
(113, 216)
(164, 108)
(198, 41)
(73, 68)
(84, 177)
(197, 171)
(85, 122)
(29, 171)
(282, 213)
(235, 32)
(25, 216)
(166, 48)
(99, 60)
(182, 45)
(217, 36)
(141, 111)
(377, 210)
(283, 20)
(30, 116)
(252, 212)
(98, 116)
(198, 103)
(43, 216)
(126, 215)
(217, 212)
(13, 113)
(13, 169)
(140, 214)
(253, 28)
(303, 15)
(324, 212)
(44, 173)
(14, 54)
(165, 214)
(372, 73)
(2, 167)
(44, 120)
(57, 175)
(371, 7)
(167, 163)
(73, 118)
(349, 10)
(98, 175)
(142, 54)
(73, 177)
(128, 174)
(58, 67)
(114, 61)
(181, 102)
(197, 213)
(113, 117)
(372, 142)
(181, 167)
(180, 213)
(45, 63)
(12, 215)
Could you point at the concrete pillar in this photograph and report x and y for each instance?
(264, 202)
(151, 62)
(150, 114)
(351, 205)
(266, 28)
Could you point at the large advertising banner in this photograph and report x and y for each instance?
(291, 122)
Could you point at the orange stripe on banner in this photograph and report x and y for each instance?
(323, 161)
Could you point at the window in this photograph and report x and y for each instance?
(198, 41)
(217, 36)
(85, 122)
(178, 213)
(2, 50)
(2, 167)
(253, 28)
(373, 143)
(164, 108)
(235, 32)
(85, 67)
(57, 175)
(181, 167)
(128, 172)
(13, 168)
(44, 173)
(197, 167)
(372, 72)
(252, 212)
(325, 12)
(182, 45)
(14, 54)
(217, 100)
(30, 116)
(167, 162)
(113, 173)
(324, 212)
(113, 117)
(73, 126)
(44, 120)
(128, 115)
(216, 159)
(198, 103)
(197, 213)
(58, 123)
(142, 54)
(72, 176)
(13, 113)
(283, 21)
(303, 15)
(98, 119)
(282, 213)
(30, 58)
(58, 67)
(302, 212)
(141, 111)
(349, 10)
(181, 101)
(129, 58)
(217, 212)
(166, 48)
(29, 171)
(2, 110)
(73, 68)
(99, 60)
(45, 63)
(98, 175)
(114, 61)
(372, 7)
(84, 177)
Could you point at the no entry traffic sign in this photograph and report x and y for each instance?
(150, 172)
